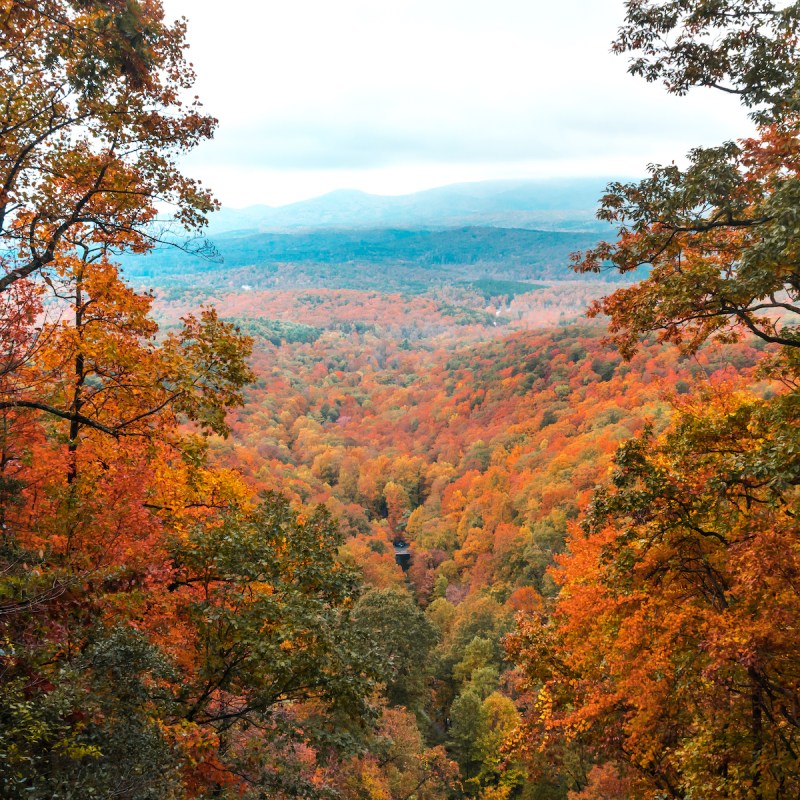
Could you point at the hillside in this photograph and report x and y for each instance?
(481, 458)
(385, 259)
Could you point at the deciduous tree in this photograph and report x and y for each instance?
(93, 114)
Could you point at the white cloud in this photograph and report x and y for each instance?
(396, 95)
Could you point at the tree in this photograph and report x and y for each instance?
(263, 620)
(720, 237)
(91, 122)
(670, 647)
(95, 469)
(94, 734)
(668, 658)
(743, 47)
(398, 765)
(240, 651)
(479, 730)
(400, 639)
(100, 368)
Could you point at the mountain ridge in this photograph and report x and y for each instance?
(552, 204)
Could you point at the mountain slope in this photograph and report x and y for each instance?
(566, 204)
(379, 259)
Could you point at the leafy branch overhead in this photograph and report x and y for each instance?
(92, 122)
(744, 47)
(718, 238)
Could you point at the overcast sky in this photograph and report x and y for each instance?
(393, 96)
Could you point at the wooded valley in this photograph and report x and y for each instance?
(429, 512)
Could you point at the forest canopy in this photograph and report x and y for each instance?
(380, 536)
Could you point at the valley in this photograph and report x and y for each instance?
(487, 491)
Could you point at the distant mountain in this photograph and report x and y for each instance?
(564, 204)
(503, 230)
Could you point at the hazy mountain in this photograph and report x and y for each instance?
(500, 229)
(564, 204)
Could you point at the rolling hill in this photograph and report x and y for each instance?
(565, 204)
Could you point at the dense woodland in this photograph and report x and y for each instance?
(393, 261)
(206, 479)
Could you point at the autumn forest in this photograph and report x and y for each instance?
(475, 510)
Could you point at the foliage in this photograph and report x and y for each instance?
(402, 640)
(99, 368)
(671, 647)
(490, 288)
(720, 235)
(277, 331)
(92, 731)
(398, 764)
(270, 606)
(744, 47)
(667, 666)
(92, 124)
